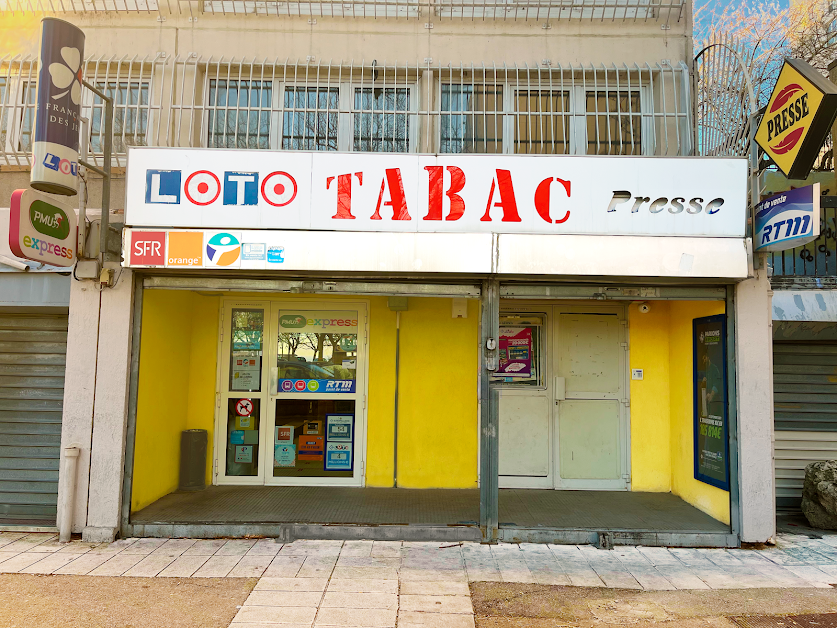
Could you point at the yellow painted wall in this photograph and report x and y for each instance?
(650, 399)
(662, 437)
(438, 411)
(709, 499)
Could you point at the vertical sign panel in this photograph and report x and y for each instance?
(710, 401)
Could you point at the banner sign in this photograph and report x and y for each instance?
(57, 117)
(788, 219)
(561, 194)
(710, 401)
(798, 118)
(318, 321)
(42, 229)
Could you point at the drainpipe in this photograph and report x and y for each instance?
(397, 305)
(69, 493)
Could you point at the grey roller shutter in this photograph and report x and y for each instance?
(805, 386)
(33, 351)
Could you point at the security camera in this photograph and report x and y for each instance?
(644, 308)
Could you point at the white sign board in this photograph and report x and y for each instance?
(562, 194)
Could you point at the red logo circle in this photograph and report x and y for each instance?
(202, 188)
(278, 193)
(299, 384)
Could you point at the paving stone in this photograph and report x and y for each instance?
(434, 620)
(448, 575)
(4, 556)
(217, 567)
(436, 603)
(681, 577)
(48, 563)
(143, 546)
(183, 567)
(312, 548)
(26, 543)
(9, 537)
(78, 548)
(651, 580)
(337, 599)
(356, 617)
(174, 547)
(83, 565)
(150, 566)
(20, 562)
(237, 624)
(385, 549)
(265, 547)
(284, 566)
(375, 573)
(659, 556)
(356, 548)
(691, 557)
(317, 567)
(116, 565)
(48, 546)
(237, 547)
(275, 614)
(250, 566)
(291, 584)
(815, 576)
(363, 585)
(205, 547)
(284, 598)
(368, 561)
(424, 587)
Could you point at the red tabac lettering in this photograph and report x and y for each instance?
(542, 199)
(436, 189)
(503, 183)
(344, 194)
(397, 198)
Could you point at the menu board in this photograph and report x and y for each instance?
(710, 401)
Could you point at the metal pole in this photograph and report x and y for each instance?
(489, 412)
(105, 172)
(397, 371)
(732, 417)
(68, 497)
(82, 198)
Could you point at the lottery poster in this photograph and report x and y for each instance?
(515, 352)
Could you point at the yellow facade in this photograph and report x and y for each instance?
(438, 410)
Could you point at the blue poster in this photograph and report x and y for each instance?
(284, 455)
(237, 437)
(788, 219)
(338, 457)
(339, 428)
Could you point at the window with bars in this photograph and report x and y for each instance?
(239, 113)
(381, 120)
(614, 123)
(541, 122)
(130, 115)
(310, 118)
(471, 119)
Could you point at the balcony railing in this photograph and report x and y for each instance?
(666, 11)
(228, 103)
(814, 264)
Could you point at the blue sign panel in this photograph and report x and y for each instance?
(788, 219)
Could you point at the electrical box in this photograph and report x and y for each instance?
(459, 308)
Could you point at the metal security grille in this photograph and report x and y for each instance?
(805, 386)
(538, 108)
(32, 358)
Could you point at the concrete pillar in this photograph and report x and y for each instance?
(754, 384)
(79, 389)
(110, 411)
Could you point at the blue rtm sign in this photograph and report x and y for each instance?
(788, 220)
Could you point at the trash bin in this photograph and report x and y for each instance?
(193, 460)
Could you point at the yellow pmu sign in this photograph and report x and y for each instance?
(797, 118)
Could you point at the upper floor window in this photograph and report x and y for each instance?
(130, 115)
(614, 123)
(310, 119)
(381, 119)
(471, 119)
(239, 114)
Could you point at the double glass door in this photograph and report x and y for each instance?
(291, 393)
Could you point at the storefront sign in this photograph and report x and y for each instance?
(284, 455)
(318, 321)
(42, 229)
(295, 190)
(57, 121)
(798, 118)
(710, 401)
(316, 385)
(284, 433)
(515, 352)
(339, 427)
(789, 219)
(338, 457)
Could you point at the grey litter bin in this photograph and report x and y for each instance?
(193, 460)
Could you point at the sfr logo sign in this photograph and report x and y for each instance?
(148, 248)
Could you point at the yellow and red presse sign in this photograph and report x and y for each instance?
(797, 118)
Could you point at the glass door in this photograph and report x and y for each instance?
(317, 385)
(240, 430)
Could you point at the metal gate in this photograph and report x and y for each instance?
(805, 412)
(33, 350)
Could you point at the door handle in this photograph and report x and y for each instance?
(560, 389)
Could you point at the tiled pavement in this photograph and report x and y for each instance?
(375, 583)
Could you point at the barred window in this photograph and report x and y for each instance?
(130, 115)
(310, 118)
(479, 126)
(614, 123)
(239, 113)
(541, 122)
(381, 123)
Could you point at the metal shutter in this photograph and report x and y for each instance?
(805, 412)
(33, 350)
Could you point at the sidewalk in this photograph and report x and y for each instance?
(373, 583)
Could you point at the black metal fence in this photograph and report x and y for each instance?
(815, 259)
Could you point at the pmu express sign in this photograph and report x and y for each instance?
(42, 229)
(797, 119)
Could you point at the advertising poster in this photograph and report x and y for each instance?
(515, 352)
(339, 428)
(710, 401)
(284, 434)
(338, 457)
(244, 454)
(246, 373)
(311, 448)
(284, 455)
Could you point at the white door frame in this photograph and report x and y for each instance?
(269, 396)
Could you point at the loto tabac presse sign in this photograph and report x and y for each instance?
(42, 229)
(797, 118)
(57, 114)
(252, 189)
